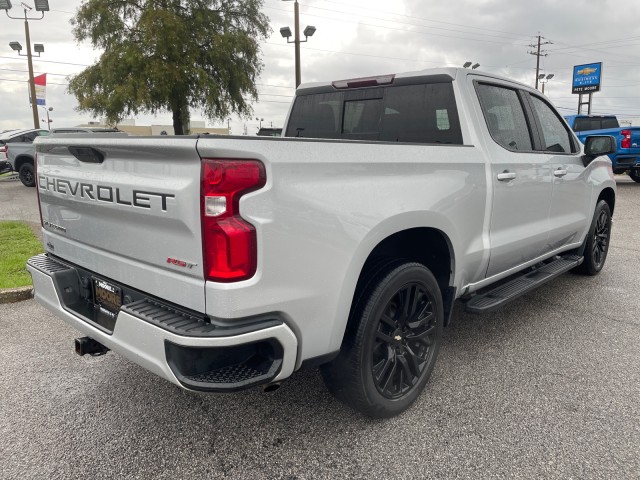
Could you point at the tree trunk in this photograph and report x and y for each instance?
(181, 120)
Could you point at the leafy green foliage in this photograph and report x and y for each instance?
(170, 54)
(17, 245)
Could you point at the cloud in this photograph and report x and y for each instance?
(370, 37)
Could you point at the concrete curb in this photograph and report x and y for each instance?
(9, 178)
(12, 295)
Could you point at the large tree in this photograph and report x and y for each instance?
(170, 55)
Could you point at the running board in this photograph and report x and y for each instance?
(503, 294)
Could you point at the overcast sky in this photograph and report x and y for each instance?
(357, 38)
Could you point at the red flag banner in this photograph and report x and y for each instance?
(41, 89)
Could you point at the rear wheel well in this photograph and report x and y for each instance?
(427, 246)
(21, 161)
(608, 196)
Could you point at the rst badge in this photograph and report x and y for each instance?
(180, 263)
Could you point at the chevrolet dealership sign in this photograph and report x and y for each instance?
(586, 78)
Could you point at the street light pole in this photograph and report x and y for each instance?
(296, 13)
(41, 6)
(47, 110)
(543, 79)
(32, 83)
(286, 33)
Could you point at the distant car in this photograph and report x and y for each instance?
(21, 151)
(18, 140)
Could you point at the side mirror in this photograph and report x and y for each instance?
(597, 145)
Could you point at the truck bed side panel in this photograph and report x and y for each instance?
(326, 205)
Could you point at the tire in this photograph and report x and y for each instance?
(27, 176)
(635, 175)
(392, 341)
(597, 241)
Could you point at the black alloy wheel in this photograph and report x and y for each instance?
(600, 243)
(635, 175)
(403, 341)
(597, 241)
(391, 342)
(27, 176)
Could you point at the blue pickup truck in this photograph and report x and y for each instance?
(627, 156)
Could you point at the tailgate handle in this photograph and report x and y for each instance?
(506, 176)
(87, 154)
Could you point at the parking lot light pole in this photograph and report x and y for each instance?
(41, 6)
(286, 33)
(542, 77)
(47, 110)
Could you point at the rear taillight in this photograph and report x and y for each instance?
(4, 149)
(626, 138)
(229, 243)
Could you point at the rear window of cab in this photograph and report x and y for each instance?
(423, 113)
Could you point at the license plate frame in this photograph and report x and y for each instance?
(107, 295)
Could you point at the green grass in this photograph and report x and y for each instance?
(17, 245)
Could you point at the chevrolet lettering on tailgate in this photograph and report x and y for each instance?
(102, 193)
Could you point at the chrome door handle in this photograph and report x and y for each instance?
(560, 172)
(504, 176)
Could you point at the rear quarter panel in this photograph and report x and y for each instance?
(326, 205)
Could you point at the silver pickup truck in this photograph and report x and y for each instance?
(221, 263)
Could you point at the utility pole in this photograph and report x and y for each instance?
(32, 84)
(538, 53)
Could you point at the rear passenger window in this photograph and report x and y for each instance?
(30, 137)
(424, 113)
(505, 117)
(555, 136)
(316, 116)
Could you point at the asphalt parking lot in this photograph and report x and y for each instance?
(547, 387)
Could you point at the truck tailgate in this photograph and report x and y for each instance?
(127, 209)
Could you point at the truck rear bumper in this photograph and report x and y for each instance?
(626, 161)
(193, 353)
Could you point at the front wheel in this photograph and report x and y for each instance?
(597, 241)
(392, 342)
(635, 175)
(27, 177)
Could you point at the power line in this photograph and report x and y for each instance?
(46, 61)
(27, 71)
(357, 54)
(519, 35)
(405, 30)
(65, 84)
(27, 81)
